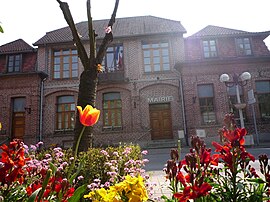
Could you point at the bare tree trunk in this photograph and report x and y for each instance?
(88, 78)
(87, 95)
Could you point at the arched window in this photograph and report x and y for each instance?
(112, 110)
(65, 112)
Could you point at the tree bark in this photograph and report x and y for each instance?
(87, 95)
(88, 78)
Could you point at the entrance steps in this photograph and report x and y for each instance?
(155, 144)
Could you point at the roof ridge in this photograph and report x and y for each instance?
(126, 26)
(213, 30)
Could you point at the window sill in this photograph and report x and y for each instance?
(107, 129)
(65, 79)
(158, 72)
(64, 131)
(210, 124)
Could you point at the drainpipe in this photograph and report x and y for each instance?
(41, 109)
(183, 108)
(43, 78)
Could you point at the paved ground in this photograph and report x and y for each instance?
(158, 158)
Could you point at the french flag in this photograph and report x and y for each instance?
(118, 57)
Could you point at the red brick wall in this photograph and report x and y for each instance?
(20, 86)
(140, 86)
(29, 62)
(198, 71)
(226, 48)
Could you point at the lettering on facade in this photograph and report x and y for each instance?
(160, 99)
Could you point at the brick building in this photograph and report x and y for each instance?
(138, 93)
(20, 86)
(212, 52)
(157, 86)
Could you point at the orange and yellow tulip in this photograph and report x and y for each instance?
(89, 116)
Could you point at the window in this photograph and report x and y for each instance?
(156, 56)
(14, 63)
(113, 60)
(209, 49)
(19, 104)
(263, 93)
(233, 100)
(65, 112)
(112, 110)
(243, 46)
(65, 64)
(206, 101)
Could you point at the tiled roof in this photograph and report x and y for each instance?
(123, 27)
(17, 46)
(216, 31)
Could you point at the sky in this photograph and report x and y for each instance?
(31, 19)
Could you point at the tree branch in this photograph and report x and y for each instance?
(108, 36)
(91, 34)
(68, 17)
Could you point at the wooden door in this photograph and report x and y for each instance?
(160, 121)
(18, 118)
(18, 125)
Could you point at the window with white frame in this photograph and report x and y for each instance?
(14, 63)
(209, 48)
(243, 46)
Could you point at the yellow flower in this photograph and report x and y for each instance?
(100, 68)
(0, 126)
(132, 189)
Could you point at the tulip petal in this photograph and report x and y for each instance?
(89, 115)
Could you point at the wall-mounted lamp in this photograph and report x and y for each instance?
(194, 99)
(28, 110)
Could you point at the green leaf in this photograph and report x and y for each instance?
(77, 194)
(1, 29)
(166, 199)
(53, 168)
(44, 184)
(257, 180)
(76, 174)
(34, 195)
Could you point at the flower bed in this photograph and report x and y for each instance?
(33, 174)
(226, 175)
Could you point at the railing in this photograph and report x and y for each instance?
(115, 76)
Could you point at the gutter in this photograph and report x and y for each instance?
(41, 109)
(183, 108)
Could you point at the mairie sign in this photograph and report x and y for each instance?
(160, 99)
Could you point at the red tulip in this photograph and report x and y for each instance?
(89, 116)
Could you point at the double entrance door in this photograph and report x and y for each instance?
(160, 121)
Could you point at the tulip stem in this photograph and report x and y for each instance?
(78, 143)
(76, 150)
